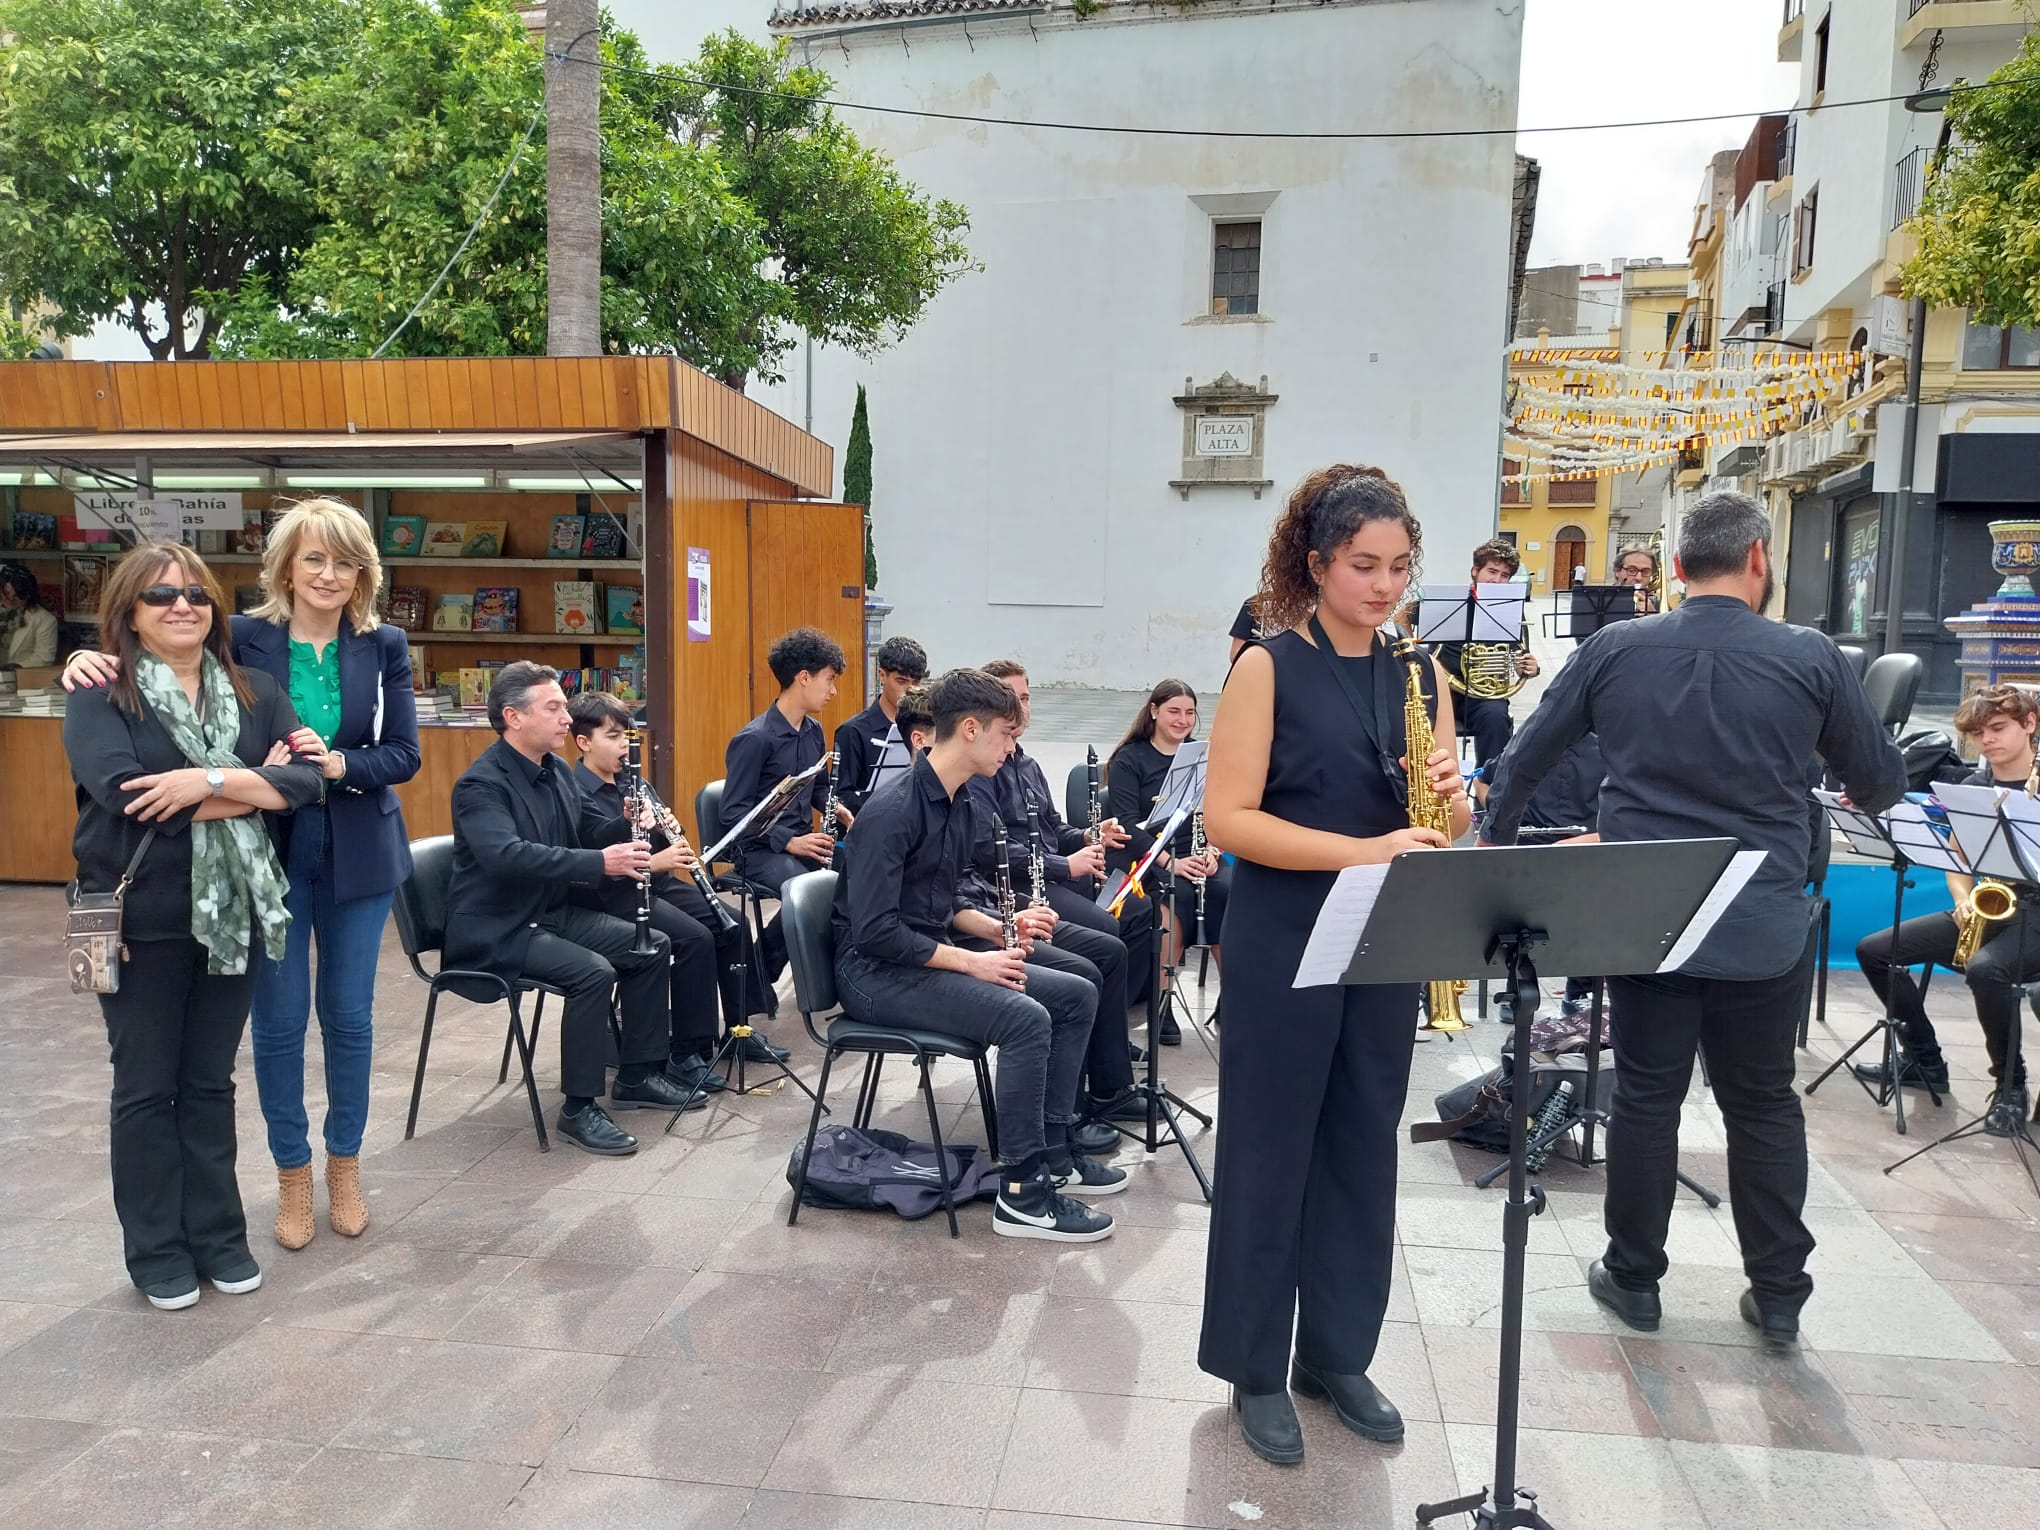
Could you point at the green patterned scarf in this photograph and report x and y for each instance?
(236, 883)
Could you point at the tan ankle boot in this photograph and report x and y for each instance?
(294, 1224)
(345, 1207)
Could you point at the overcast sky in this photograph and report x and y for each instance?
(1631, 191)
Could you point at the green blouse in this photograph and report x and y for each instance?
(315, 688)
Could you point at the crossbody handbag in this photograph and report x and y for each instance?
(92, 937)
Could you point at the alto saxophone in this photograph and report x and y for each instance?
(1427, 811)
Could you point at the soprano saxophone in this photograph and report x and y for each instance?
(1427, 811)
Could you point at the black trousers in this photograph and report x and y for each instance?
(770, 869)
(1748, 1029)
(1040, 1034)
(1997, 976)
(1303, 1219)
(1487, 719)
(1135, 929)
(1100, 960)
(693, 984)
(585, 954)
(173, 1030)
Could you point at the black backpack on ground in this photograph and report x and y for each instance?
(852, 1170)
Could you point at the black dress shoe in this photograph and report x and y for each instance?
(1127, 1105)
(692, 1072)
(755, 1048)
(1268, 1424)
(590, 1129)
(1912, 1074)
(1171, 1033)
(1641, 1310)
(1357, 1401)
(1136, 1052)
(2006, 1114)
(654, 1092)
(1093, 1137)
(1780, 1330)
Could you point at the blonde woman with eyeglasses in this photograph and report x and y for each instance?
(349, 681)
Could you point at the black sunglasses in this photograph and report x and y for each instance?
(163, 595)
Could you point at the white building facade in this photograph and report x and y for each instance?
(1040, 440)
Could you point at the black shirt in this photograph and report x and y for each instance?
(898, 884)
(1571, 795)
(1006, 795)
(1132, 785)
(606, 798)
(859, 743)
(108, 746)
(535, 781)
(1244, 626)
(767, 750)
(1709, 717)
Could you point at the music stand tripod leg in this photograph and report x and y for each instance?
(1505, 1503)
(1886, 1028)
(1162, 1106)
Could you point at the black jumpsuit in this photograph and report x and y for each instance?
(1311, 1080)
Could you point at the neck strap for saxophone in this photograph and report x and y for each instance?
(1378, 706)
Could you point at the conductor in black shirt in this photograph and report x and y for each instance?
(902, 664)
(1708, 716)
(523, 836)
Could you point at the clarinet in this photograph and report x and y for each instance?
(670, 826)
(1094, 834)
(1009, 915)
(1037, 863)
(1197, 848)
(831, 824)
(634, 800)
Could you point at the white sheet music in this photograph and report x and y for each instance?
(1497, 612)
(1979, 832)
(1920, 840)
(2022, 816)
(1336, 935)
(1862, 831)
(1732, 881)
(893, 760)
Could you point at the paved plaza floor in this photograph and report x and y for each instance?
(562, 1341)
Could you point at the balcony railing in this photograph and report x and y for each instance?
(1774, 308)
(1794, 9)
(1914, 7)
(1788, 142)
(1908, 178)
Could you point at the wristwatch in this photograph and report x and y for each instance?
(216, 779)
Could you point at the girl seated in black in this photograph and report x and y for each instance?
(1133, 783)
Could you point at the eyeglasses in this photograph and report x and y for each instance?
(164, 595)
(318, 563)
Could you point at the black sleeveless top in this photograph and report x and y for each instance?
(1325, 767)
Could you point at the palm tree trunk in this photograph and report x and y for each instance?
(573, 181)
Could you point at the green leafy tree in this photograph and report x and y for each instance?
(857, 481)
(859, 251)
(17, 341)
(1979, 221)
(142, 161)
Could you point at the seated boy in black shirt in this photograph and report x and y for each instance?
(897, 916)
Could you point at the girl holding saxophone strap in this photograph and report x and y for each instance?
(1306, 778)
(1133, 781)
(2001, 719)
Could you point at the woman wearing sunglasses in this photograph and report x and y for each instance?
(189, 745)
(349, 681)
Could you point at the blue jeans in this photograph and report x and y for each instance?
(350, 938)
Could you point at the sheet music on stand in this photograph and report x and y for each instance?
(2022, 819)
(1479, 613)
(1979, 832)
(894, 760)
(765, 811)
(1183, 787)
(1904, 831)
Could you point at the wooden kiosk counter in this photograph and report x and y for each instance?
(711, 513)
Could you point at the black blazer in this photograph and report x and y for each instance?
(506, 879)
(378, 738)
(107, 746)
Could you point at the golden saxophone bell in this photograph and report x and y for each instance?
(1989, 903)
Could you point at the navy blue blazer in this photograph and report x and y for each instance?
(378, 738)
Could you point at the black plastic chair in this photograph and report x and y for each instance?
(1077, 797)
(1892, 682)
(751, 895)
(1821, 914)
(1859, 658)
(420, 909)
(806, 905)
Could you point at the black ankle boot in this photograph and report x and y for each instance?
(1268, 1424)
(1357, 1401)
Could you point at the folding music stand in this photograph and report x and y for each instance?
(1594, 606)
(1906, 838)
(2009, 836)
(893, 760)
(1483, 613)
(1609, 908)
(1183, 788)
(753, 825)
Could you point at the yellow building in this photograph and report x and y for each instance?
(1556, 526)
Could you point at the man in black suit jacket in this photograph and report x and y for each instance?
(523, 834)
